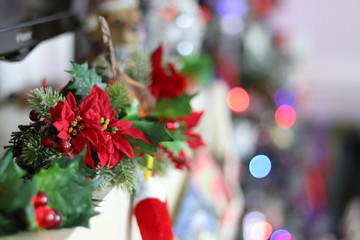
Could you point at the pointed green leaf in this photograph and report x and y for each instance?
(174, 107)
(84, 80)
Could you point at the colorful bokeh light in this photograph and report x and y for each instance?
(284, 96)
(281, 235)
(285, 116)
(238, 99)
(261, 230)
(260, 166)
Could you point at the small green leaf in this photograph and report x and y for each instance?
(174, 107)
(84, 80)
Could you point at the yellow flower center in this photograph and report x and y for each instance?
(75, 126)
(104, 123)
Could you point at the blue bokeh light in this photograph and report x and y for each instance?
(284, 96)
(260, 166)
(232, 8)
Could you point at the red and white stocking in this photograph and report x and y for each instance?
(152, 213)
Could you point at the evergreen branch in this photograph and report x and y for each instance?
(122, 175)
(34, 156)
(139, 67)
(118, 96)
(41, 99)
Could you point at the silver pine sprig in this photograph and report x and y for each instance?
(41, 99)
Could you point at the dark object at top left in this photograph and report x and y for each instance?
(25, 23)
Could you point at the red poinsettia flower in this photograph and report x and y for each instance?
(76, 122)
(193, 139)
(114, 144)
(165, 83)
(93, 124)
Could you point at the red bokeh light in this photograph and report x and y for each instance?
(285, 116)
(238, 99)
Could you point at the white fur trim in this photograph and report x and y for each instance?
(111, 6)
(151, 188)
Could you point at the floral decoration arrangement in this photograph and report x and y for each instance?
(94, 133)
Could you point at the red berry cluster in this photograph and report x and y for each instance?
(62, 145)
(46, 217)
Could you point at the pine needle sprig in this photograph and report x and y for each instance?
(41, 99)
(34, 155)
(139, 67)
(118, 96)
(123, 175)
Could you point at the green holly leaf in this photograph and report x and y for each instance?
(84, 80)
(132, 111)
(69, 192)
(9, 223)
(174, 107)
(14, 195)
(175, 147)
(178, 134)
(155, 132)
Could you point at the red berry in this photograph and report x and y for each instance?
(45, 217)
(172, 126)
(41, 199)
(48, 141)
(57, 220)
(64, 145)
(34, 115)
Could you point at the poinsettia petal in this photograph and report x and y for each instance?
(88, 103)
(156, 56)
(120, 124)
(191, 120)
(105, 153)
(55, 112)
(179, 81)
(115, 159)
(123, 145)
(135, 133)
(194, 140)
(88, 158)
(70, 99)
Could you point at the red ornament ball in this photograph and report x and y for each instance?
(34, 115)
(64, 145)
(48, 141)
(47, 218)
(41, 199)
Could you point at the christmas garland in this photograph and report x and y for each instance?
(95, 132)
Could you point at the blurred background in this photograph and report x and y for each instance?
(278, 81)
